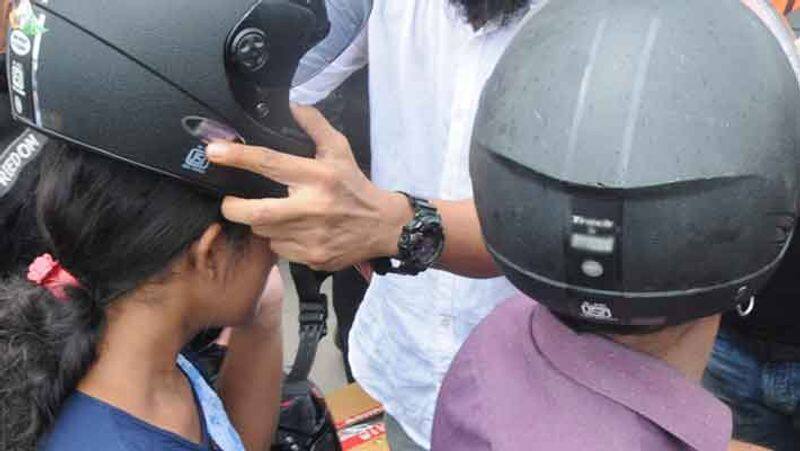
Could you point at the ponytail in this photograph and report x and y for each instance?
(46, 347)
(113, 227)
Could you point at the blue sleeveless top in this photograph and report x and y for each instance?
(86, 423)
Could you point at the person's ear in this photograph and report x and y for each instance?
(209, 253)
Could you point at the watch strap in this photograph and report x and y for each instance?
(422, 208)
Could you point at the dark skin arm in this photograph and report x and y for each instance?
(251, 375)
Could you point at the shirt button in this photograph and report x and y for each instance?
(446, 322)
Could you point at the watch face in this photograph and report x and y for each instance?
(427, 249)
(427, 242)
(422, 240)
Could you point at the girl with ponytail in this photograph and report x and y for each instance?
(90, 337)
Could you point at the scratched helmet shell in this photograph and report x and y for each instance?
(635, 163)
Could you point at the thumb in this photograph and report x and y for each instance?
(328, 140)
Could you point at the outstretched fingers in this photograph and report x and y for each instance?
(278, 166)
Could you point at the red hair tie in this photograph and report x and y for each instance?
(48, 273)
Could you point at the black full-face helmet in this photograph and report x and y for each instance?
(635, 162)
(151, 82)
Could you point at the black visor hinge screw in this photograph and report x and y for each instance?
(249, 50)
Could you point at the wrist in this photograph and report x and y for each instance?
(395, 213)
(420, 241)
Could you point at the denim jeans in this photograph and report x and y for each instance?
(764, 396)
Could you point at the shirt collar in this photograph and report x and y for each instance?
(682, 408)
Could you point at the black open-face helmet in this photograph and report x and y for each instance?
(635, 162)
(151, 82)
(305, 421)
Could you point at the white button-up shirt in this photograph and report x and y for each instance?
(427, 70)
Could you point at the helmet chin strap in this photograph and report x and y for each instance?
(313, 319)
(746, 308)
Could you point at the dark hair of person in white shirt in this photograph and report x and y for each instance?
(480, 12)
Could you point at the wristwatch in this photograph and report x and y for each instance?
(420, 244)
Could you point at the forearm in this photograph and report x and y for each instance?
(736, 445)
(464, 253)
(250, 385)
(251, 376)
(334, 217)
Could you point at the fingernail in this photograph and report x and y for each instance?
(216, 150)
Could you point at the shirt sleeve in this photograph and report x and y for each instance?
(461, 421)
(316, 89)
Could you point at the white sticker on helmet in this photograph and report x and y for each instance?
(597, 311)
(20, 43)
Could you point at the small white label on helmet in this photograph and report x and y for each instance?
(593, 243)
(20, 43)
(596, 311)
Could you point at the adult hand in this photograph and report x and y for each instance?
(334, 216)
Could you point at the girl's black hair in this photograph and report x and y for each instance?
(112, 226)
(20, 240)
(480, 12)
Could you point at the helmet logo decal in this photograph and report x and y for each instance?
(593, 235)
(597, 311)
(18, 154)
(196, 160)
(206, 130)
(18, 78)
(593, 223)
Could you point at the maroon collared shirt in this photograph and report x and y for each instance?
(525, 381)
